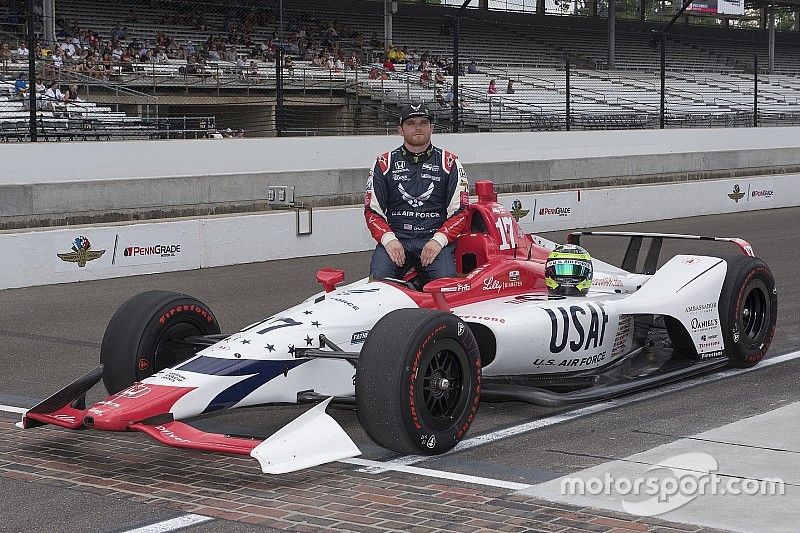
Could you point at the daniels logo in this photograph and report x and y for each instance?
(164, 250)
(701, 325)
(359, 337)
(766, 193)
(560, 211)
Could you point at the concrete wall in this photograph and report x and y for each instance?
(45, 256)
(88, 182)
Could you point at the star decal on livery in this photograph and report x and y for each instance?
(245, 341)
(309, 340)
(291, 349)
(270, 347)
(308, 312)
(315, 323)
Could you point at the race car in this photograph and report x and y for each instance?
(416, 360)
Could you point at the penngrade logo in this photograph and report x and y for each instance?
(81, 252)
(737, 194)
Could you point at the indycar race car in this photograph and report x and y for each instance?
(416, 361)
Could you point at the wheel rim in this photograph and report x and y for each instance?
(754, 312)
(442, 382)
(170, 348)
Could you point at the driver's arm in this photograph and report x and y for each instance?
(375, 204)
(458, 193)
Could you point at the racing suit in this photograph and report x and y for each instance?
(415, 198)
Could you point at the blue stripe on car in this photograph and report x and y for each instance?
(260, 372)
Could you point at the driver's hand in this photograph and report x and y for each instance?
(396, 252)
(429, 252)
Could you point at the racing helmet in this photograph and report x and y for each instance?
(568, 271)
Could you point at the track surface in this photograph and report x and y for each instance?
(52, 334)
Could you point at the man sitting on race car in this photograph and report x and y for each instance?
(415, 203)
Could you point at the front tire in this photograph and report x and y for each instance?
(145, 334)
(748, 310)
(418, 381)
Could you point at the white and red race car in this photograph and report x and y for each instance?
(416, 363)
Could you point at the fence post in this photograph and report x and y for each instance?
(567, 108)
(663, 79)
(755, 89)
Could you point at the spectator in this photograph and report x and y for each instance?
(439, 97)
(73, 93)
(5, 55)
(252, 70)
(353, 62)
(425, 79)
(473, 68)
(439, 80)
(448, 97)
(22, 51)
(288, 65)
(388, 65)
(492, 87)
(510, 88)
(21, 86)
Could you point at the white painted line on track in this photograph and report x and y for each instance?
(13, 409)
(172, 524)
(438, 474)
(512, 431)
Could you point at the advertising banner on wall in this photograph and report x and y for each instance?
(123, 246)
(721, 7)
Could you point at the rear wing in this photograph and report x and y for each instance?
(654, 250)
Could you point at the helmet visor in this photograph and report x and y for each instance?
(564, 269)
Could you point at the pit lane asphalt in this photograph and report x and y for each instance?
(52, 334)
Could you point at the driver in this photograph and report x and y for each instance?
(415, 203)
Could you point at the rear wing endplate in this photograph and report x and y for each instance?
(654, 250)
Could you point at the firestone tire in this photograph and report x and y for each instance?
(418, 381)
(748, 310)
(140, 338)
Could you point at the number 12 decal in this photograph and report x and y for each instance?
(505, 226)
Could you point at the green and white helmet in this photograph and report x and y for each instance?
(568, 271)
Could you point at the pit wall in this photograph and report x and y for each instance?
(41, 257)
(75, 183)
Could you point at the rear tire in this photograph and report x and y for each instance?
(418, 381)
(748, 310)
(140, 338)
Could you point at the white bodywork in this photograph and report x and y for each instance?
(534, 334)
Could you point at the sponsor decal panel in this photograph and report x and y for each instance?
(359, 337)
(555, 211)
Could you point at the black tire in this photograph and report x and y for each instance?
(138, 340)
(418, 381)
(748, 310)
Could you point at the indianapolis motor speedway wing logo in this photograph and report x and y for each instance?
(81, 252)
(737, 194)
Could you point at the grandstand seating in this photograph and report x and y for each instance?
(704, 76)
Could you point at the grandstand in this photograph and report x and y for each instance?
(708, 79)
